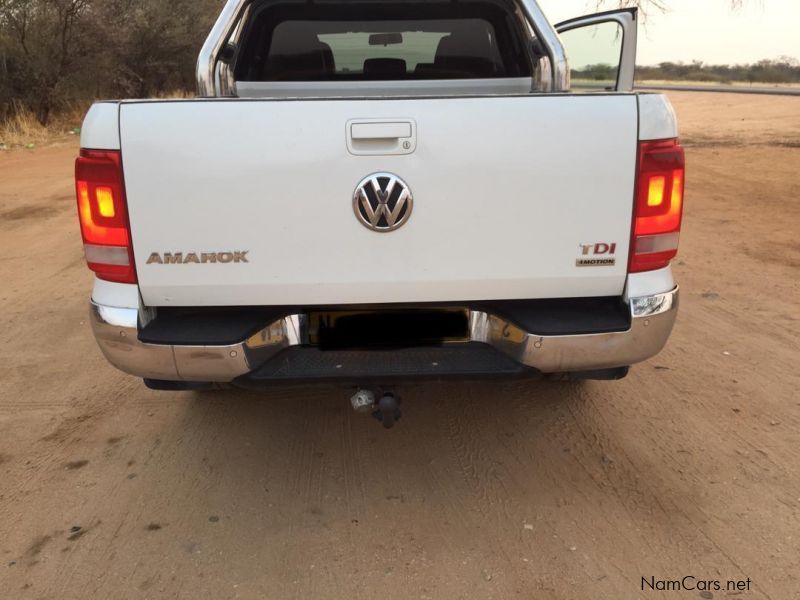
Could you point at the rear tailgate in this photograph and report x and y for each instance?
(508, 193)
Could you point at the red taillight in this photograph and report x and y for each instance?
(659, 205)
(103, 214)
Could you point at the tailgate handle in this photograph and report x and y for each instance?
(380, 131)
(375, 137)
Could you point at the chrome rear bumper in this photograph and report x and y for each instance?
(116, 331)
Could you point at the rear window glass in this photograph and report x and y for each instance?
(278, 47)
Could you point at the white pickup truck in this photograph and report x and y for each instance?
(376, 190)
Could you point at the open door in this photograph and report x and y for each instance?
(601, 49)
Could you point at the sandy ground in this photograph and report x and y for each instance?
(536, 490)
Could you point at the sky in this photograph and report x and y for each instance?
(706, 30)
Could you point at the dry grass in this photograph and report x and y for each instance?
(175, 94)
(742, 84)
(23, 130)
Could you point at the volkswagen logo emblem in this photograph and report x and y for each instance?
(383, 202)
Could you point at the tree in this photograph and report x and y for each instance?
(43, 42)
(53, 52)
(154, 44)
(647, 6)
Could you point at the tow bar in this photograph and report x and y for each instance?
(386, 410)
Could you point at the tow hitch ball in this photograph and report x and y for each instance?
(386, 410)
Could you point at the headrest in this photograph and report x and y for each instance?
(298, 57)
(384, 68)
(468, 50)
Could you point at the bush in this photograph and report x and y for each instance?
(783, 70)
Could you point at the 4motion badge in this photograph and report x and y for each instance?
(383, 202)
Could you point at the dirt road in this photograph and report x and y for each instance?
(690, 467)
